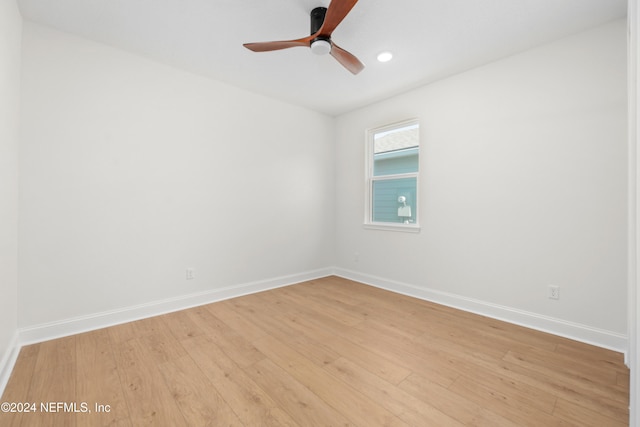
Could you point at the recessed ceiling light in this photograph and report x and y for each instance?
(385, 57)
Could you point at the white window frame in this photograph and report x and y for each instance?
(413, 227)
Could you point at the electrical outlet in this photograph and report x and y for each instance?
(190, 274)
(554, 292)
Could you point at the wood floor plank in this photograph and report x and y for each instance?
(326, 352)
(54, 383)
(273, 324)
(271, 301)
(301, 298)
(623, 382)
(524, 393)
(56, 353)
(181, 325)
(243, 325)
(53, 386)
(405, 406)
(306, 408)
(568, 389)
(584, 417)
(148, 326)
(162, 346)
(486, 328)
(323, 292)
(200, 403)
(397, 319)
(148, 399)
(506, 405)
(404, 351)
(252, 405)
(344, 398)
(566, 364)
(579, 380)
(453, 404)
(234, 344)
(122, 332)
(18, 386)
(387, 368)
(98, 382)
(319, 351)
(597, 355)
(464, 339)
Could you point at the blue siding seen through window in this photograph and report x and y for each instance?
(386, 207)
(395, 162)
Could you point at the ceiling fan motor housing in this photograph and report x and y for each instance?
(319, 45)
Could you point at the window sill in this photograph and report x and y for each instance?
(405, 228)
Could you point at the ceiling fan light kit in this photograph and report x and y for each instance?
(323, 22)
(320, 47)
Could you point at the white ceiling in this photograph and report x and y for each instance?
(430, 39)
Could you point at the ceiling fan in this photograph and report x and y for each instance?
(323, 22)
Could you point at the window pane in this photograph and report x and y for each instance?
(388, 204)
(396, 151)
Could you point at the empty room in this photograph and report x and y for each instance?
(318, 213)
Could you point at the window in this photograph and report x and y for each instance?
(392, 176)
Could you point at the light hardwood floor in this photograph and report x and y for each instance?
(328, 352)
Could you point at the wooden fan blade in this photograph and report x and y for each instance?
(278, 45)
(347, 60)
(336, 12)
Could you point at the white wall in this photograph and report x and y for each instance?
(132, 171)
(523, 185)
(10, 35)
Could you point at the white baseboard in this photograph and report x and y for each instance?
(8, 361)
(587, 334)
(76, 325)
